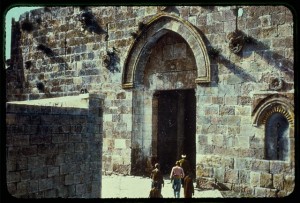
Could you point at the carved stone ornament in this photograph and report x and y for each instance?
(111, 61)
(236, 41)
(276, 84)
(162, 8)
(106, 60)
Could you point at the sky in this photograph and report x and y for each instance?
(14, 12)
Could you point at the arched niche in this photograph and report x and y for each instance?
(270, 105)
(277, 143)
(152, 31)
(275, 113)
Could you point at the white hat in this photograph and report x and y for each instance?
(183, 156)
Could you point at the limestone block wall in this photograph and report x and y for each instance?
(230, 148)
(54, 151)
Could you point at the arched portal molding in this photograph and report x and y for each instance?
(147, 38)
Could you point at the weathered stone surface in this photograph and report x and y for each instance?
(231, 176)
(254, 179)
(289, 184)
(266, 180)
(169, 60)
(38, 166)
(261, 165)
(278, 181)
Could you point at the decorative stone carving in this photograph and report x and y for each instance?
(276, 84)
(236, 41)
(164, 8)
(111, 61)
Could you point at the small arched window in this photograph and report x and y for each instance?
(277, 139)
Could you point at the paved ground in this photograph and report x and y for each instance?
(118, 186)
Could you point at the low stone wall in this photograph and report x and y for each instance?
(54, 151)
(247, 176)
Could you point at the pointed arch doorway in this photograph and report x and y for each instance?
(163, 67)
(176, 127)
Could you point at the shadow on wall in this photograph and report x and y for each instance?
(89, 22)
(276, 60)
(251, 45)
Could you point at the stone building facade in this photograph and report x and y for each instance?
(213, 82)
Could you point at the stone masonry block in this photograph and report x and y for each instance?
(22, 187)
(68, 168)
(244, 177)
(51, 193)
(10, 119)
(261, 165)
(53, 171)
(277, 167)
(29, 151)
(25, 175)
(289, 183)
(66, 148)
(266, 180)
(74, 137)
(70, 158)
(230, 100)
(278, 181)
(47, 149)
(11, 164)
(231, 176)
(219, 174)
(30, 129)
(80, 189)
(265, 192)
(242, 163)
(231, 120)
(242, 142)
(69, 179)
(33, 186)
(227, 110)
(218, 100)
(80, 147)
(243, 110)
(36, 162)
(247, 130)
(254, 179)
(13, 177)
(38, 173)
(211, 110)
(40, 139)
(17, 140)
(45, 184)
(12, 188)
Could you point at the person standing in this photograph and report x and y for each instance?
(185, 165)
(157, 178)
(176, 174)
(154, 193)
(188, 186)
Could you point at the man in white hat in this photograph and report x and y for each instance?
(185, 165)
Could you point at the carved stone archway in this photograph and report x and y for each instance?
(152, 31)
(272, 104)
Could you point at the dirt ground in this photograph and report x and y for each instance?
(119, 186)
